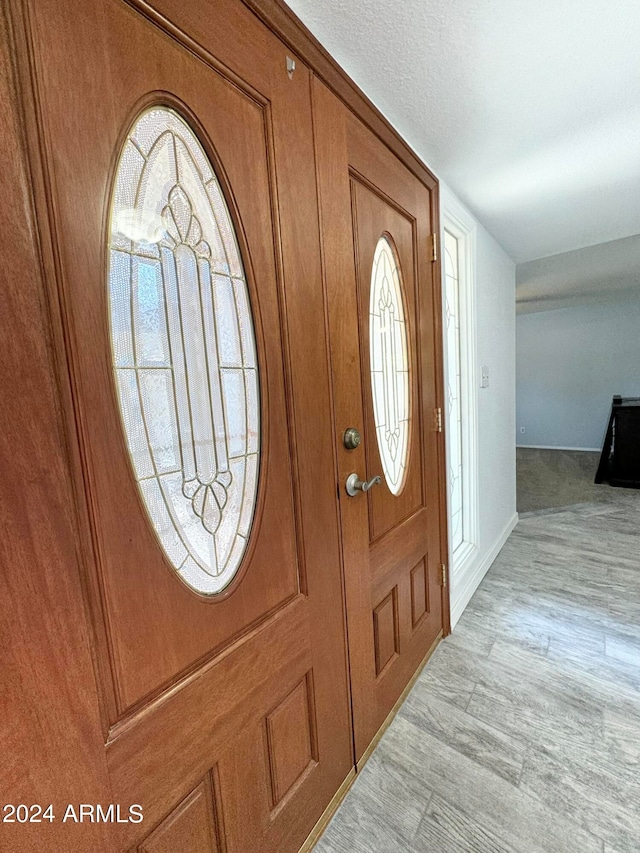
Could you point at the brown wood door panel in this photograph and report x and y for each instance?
(391, 543)
(126, 543)
(222, 718)
(50, 739)
(249, 691)
(400, 550)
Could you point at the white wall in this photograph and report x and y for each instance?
(570, 362)
(495, 349)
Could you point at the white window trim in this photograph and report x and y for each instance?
(455, 219)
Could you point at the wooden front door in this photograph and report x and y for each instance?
(224, 697)
(378, 219)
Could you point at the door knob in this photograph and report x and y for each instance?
(354, 484)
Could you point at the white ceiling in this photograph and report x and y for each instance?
(529, 110)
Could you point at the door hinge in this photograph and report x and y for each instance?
(443, 574)
(434, 247)
(438, 419)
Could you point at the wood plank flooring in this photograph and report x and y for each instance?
(522, 734)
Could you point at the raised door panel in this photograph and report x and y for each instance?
(291, 732)
(420, 598)
(191, 826)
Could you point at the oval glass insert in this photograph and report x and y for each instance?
(184, 353)
(389, 362)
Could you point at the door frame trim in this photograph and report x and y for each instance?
(460, 225)
(290, 29)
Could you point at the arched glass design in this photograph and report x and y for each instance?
(389, 362)
(184, 352)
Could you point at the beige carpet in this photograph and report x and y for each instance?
(548, 479)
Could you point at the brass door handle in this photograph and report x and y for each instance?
(354, 484)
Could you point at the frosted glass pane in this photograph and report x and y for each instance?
(456, 529)
(165, 528)
(228, 237)
(192, 574)
(187, 521)
(235, 410)
(250, 485)
(451, 249)
(131, 166)
(159, 177)
(229, 351)
(192, 156)
(253, 410)
(238, 549)
(151, 342)
(156, 392)
(403, 403)
(389, 364)
(183, 349)
(377, 382)
(399, 341)
(120, 299)
(133, 421)
(453, 390)
(226, 532)
(246, 324)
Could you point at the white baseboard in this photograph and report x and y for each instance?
(463, 587)
(555, 447)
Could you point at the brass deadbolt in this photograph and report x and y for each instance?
(351, 438)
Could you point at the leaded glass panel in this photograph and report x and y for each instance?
(389, 363)
(454, 392)
(183, 350)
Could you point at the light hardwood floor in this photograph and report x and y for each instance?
(522, 734)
